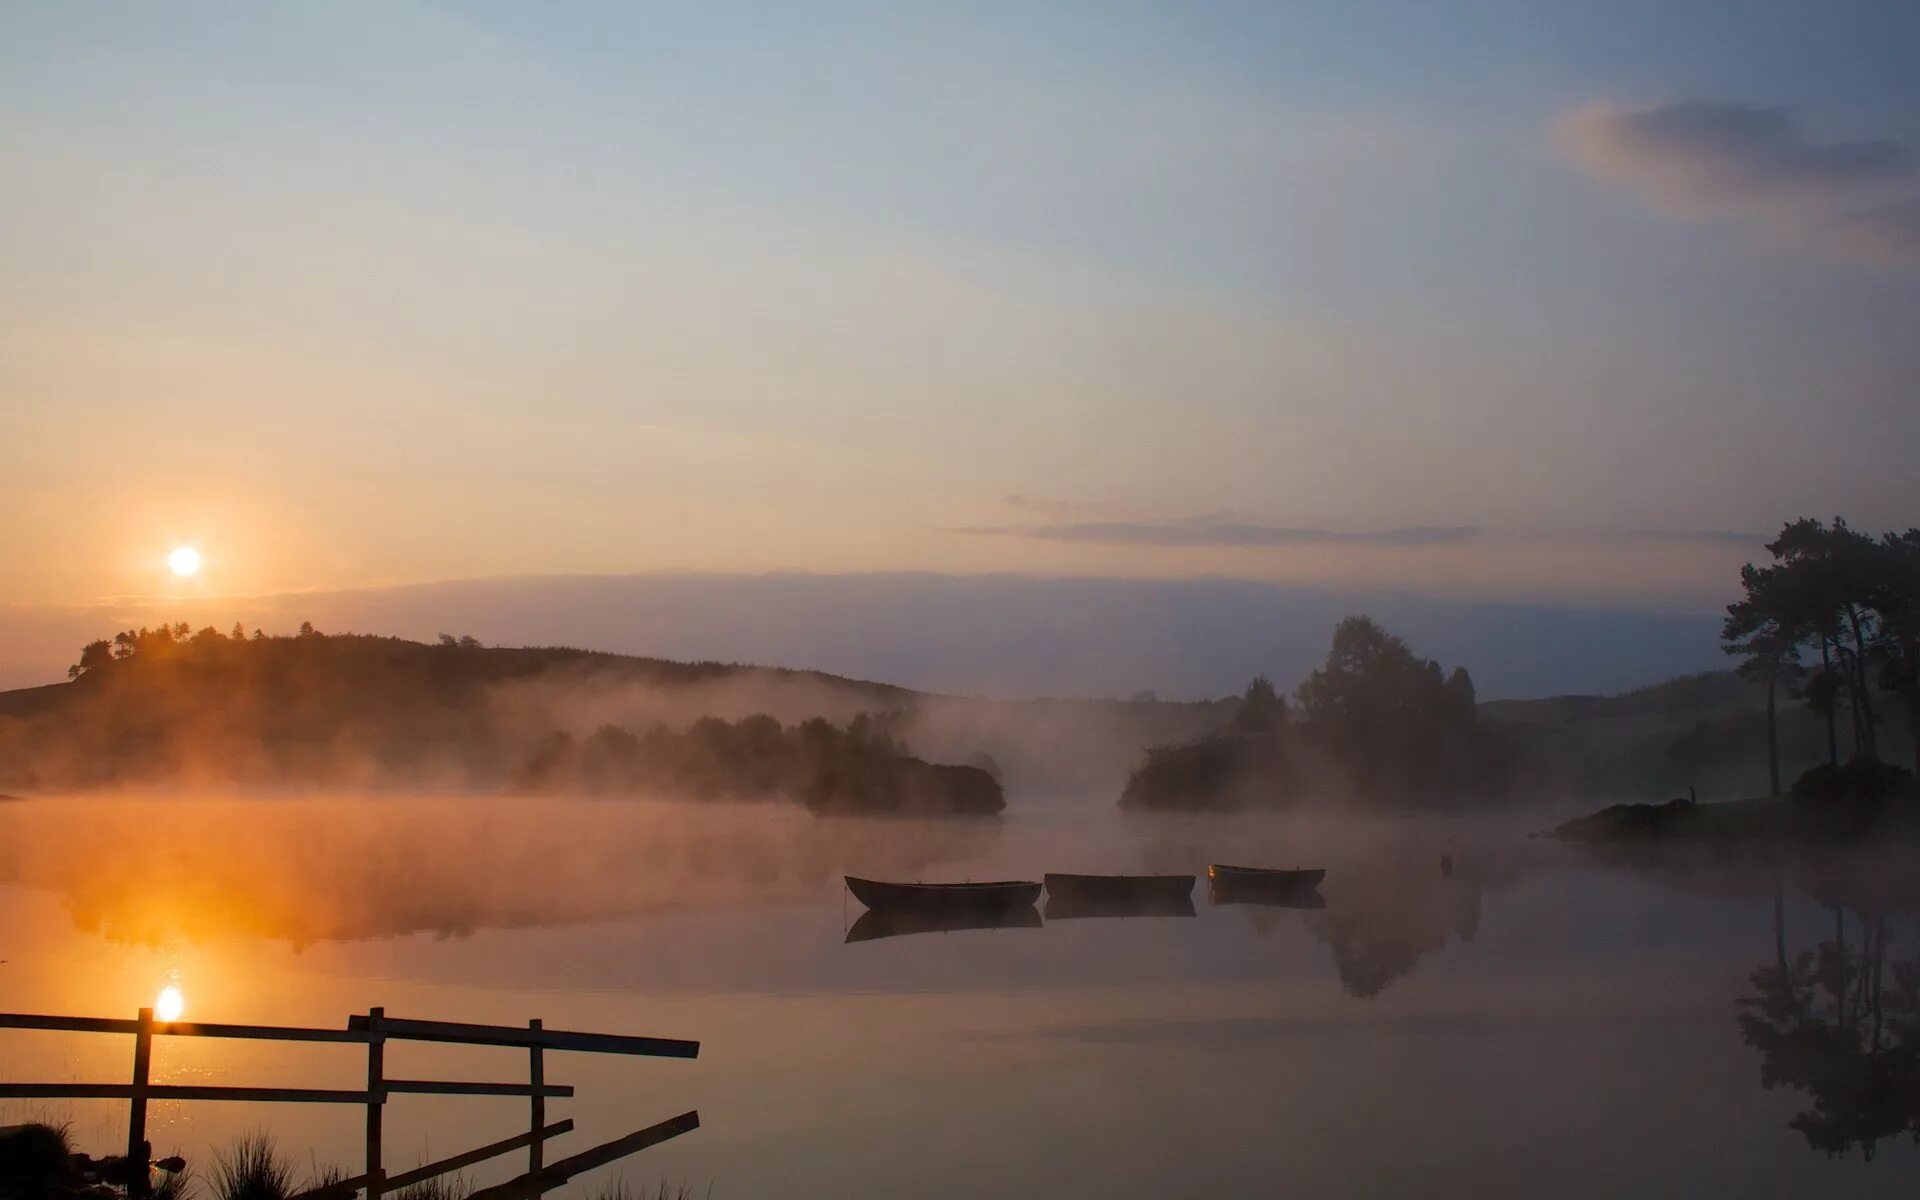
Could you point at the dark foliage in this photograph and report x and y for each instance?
(860, 768)
(168, 705)
(1858, 783)
(1376, 722)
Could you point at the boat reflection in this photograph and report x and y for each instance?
(1225, 891)
(1073, 908)
(885, 923)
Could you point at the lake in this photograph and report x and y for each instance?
(1536, 1019)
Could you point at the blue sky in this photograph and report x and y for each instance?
(361, 293)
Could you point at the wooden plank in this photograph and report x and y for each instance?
(68, 1024)
(376, 1099)
(439, 1087)
(265, 1033)
(169, 1091)
(419, 1174)
(138, 1154)
(511, 1035)
(262, 1033)
(347, 1188)
(537, 1105)
(560, 1172)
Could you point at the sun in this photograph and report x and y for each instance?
(184, 561)
(169, 1004)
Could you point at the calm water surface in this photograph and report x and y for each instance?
(1537, 1021)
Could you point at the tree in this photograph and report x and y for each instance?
(238, 633)
(1758, 630)
(307, 630)
(93, 656)
(1389, 717)
(1262, 711)
(1830, 577)
(1897, 598)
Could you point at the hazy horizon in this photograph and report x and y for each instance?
(997, 635)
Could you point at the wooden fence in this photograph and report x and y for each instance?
(373, 1030)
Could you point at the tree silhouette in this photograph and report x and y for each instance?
(93, 656)
(1262, 711)
(1391, 718)
(1758, 630)
(1897, 598)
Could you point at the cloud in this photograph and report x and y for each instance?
(1857, 199)
(1890, 233)
(1214, 531)
(1204, 531)
(1716, 537)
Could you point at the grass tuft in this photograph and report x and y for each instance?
(620, 1189)
(252, 1170)
(440, 1187)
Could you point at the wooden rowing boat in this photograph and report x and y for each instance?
(1069, 907)
(1113, 889)
(1002, 894)
(1261, 885)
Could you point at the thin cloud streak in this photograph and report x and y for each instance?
(1205, 532)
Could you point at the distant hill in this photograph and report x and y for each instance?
(355, 711)
(207, 709)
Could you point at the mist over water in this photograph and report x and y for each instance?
(1527, 1004)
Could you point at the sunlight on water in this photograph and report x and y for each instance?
(1467, 992)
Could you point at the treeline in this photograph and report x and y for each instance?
(1834, 621)
(167, 640)
(1375, 722)
(861, 768)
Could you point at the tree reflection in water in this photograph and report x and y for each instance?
(1387, 912)
(1841, 1023)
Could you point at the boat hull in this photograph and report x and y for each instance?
(1255, 885)
(1119, 889)
(943, 897)
(1070, 907)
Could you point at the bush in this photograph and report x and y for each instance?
(34, 1159)
(1861, 782)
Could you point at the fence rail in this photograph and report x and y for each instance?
(373, 1029)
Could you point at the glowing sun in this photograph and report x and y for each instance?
(184, 561)
(169, 1004)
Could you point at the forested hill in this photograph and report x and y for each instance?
(322, 669)
(317, 710)
(210, 707)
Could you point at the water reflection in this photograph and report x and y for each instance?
(1833, 1022)
(304, 871)
(885, 923)
(1386, 912)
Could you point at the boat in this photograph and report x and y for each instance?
(1002, 894)
(1261, 885)
(878, 923)
(1118, 888)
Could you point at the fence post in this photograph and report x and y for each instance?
(376, 1097)
(537, 1076)
(138, 1154)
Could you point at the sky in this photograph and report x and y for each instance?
(1555, 303)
